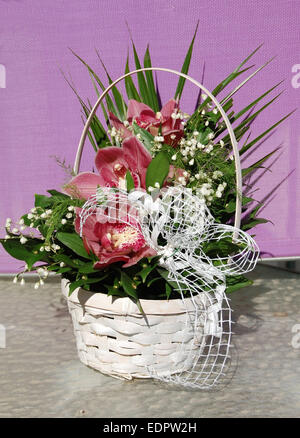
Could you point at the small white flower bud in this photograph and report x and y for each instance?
(64, 221)
(22, 282)
(23, 240)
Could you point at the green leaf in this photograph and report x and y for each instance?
(127, 284)
(245, 123)
(145, 137)
(74, 285)
(102, 105)
(24, 251)
(236, 89)
(73, 262)
(143, 87)
(236, 282)
(253, 223)
(220, 248)
(129, 181)
(168, 290)
(108, 99)
(153, 280)
(246, 147)
(165, 275)
(230, 208)
(223, 84)
(113, 291)
(74, 242)
(258, 163)
(146, 271)
(150, 81)
(248, 107)
(158, 170)
(82, 282)
(96, 126)
(58, 194)
(131, 91)
(185, 67)
(43, 201)
(119, 101)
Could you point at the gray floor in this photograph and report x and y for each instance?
(40, 375)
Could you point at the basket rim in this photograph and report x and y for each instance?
(125, 306)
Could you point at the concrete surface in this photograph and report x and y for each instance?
(40, 375)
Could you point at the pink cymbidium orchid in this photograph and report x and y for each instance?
(112, 164)
(120, 241)
(168, 121)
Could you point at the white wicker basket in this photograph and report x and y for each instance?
(112, 335)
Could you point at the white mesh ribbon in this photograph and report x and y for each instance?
(180, 228)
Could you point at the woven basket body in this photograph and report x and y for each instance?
(113, 336)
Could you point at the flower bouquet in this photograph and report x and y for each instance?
(150, 245)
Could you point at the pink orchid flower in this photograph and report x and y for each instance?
(145, 117)
(112, 164)
(113, 242)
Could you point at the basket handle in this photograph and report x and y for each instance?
(238, 209)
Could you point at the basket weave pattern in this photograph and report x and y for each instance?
(121, 342)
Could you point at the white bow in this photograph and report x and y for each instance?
(179, 226)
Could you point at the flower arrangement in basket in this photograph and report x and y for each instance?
(150, 245)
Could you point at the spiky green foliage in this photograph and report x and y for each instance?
(62, 250)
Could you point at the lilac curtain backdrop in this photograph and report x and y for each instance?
(40, 116)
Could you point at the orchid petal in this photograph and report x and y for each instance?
(105, 261)
(137, 157)
(84, 185)
(136, 109)
(169, 108)
(107, 160)
(144, 252)
(116, 123)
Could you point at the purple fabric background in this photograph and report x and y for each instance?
(40, 116)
